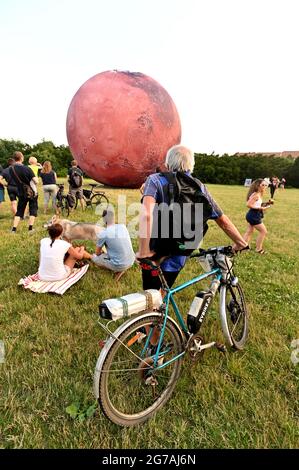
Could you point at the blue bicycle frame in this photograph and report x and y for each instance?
(167, 300)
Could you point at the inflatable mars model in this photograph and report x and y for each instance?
(120, 126)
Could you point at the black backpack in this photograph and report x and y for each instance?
(76, 179)
(178, 227)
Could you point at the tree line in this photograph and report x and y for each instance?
(209, 168)
(60, 157)
(234, 169)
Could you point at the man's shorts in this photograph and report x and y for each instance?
(12, 193)
(22, 203)
(76, 192)
(103, 261)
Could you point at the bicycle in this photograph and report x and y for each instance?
(133, 378)
(62, 202)
(93, 197)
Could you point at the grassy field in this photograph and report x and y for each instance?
(246, 399)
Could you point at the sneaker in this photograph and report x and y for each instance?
(31, 231)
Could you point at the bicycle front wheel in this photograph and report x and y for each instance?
(234, 315)
(130, 387)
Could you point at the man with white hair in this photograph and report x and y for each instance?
(34, 165)
(178, 159)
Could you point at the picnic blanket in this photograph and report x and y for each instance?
(34, 284)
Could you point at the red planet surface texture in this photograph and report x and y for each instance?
(120, 126)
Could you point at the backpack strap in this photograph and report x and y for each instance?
(15, 173)
(172, 185)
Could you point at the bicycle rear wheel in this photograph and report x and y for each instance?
(130, 388)
(99, 200)
(234, 315)
(64, 206)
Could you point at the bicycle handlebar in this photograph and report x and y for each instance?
(148, 262)
(225, 250)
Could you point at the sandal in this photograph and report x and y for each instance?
(261, 252)
(79, 264)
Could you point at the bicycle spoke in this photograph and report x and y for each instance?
(131, 384)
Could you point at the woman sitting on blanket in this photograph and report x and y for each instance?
(58, 257)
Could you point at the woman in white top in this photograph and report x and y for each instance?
(256, 213)
(58, 257)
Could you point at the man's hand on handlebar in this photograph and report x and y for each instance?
(144, 255)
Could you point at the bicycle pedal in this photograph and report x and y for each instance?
(221, 347)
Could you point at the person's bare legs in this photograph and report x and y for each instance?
(13, 207)
(82, 203)
(248, 234)
(261, 236)
(16, 221)
(31, 219)
(71, 261)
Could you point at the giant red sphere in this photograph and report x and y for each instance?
(120, 126)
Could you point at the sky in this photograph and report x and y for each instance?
(230, 66)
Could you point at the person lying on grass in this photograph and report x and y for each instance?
(58, 257)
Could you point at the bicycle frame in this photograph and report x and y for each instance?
(168, 299)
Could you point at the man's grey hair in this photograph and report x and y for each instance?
(108, 216)
(179, 158)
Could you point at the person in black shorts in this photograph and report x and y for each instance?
(255, 214)
(24, 175)
(11, 185)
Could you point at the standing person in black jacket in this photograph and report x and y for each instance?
(24, 175)
(11, 186)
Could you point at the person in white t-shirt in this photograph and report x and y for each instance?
(58, 257)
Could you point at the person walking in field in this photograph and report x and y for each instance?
(273, 185)
(24, 177)
(282, 183)
(255, 214)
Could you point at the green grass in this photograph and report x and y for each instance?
(243, 399)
